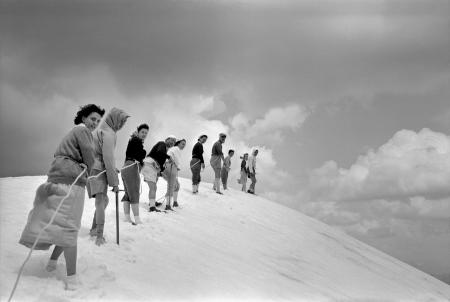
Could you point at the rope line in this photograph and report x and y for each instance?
(40, 234)
(51, 221)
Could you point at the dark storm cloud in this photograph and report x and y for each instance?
(290, 51)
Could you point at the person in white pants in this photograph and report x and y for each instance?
(171, 174)
(153, 166)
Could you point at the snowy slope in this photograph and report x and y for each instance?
(231, 247)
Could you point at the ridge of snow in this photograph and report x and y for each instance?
(235, 246)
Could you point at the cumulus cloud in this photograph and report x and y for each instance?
(184, 115)
(270, 128)
(409, 164)
(395, 198)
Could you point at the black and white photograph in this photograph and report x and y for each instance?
(225, 150)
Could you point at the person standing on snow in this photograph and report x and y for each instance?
(153, 166)
(130, 176)
(226, 168)
(244, 172)
(74, 153)
(104, 144)
(252, 171)
(216, 161)
(197, 162)
(171, 173)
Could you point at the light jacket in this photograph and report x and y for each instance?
(252, 164)
(227, 163)
(75, 148)
(175, 156)
(105, 142)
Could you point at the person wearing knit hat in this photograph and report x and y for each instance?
(216, 161)
(197, 162)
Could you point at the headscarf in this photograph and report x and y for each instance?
(115, 118)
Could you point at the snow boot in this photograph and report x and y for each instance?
(158, 204)
(168, 208)
(51, 265)
(72, 282)
(175, 204)
(154, 209)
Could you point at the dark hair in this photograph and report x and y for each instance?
(143, 126)
(230, 151)
(179, 142)
(85, 111)
(203, 136)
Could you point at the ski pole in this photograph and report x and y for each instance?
(117, 217)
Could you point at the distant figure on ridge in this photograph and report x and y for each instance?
(226, 168)
(74, 153)
(252, 171)
(104, 144)
(197, 162)
(130, 176)
(216, 161)
(244, 172)
(153, 166)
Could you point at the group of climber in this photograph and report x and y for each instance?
(85, 159)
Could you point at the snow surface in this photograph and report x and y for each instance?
(231, 247)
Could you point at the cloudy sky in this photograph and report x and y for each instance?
(347, 101)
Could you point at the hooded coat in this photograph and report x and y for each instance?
(75, 148)
(105, 138)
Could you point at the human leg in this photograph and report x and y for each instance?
(101, 201)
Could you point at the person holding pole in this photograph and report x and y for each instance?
(197, 162)
(104, 172)
(130, 176)
(216, 161)
(73, 159)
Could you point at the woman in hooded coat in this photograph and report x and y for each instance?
(130, 175)
(104, 144)
(74, 153)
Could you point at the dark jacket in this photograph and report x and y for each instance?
(197, 152)
(244, 166)
(135, 149)
(159, 154)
